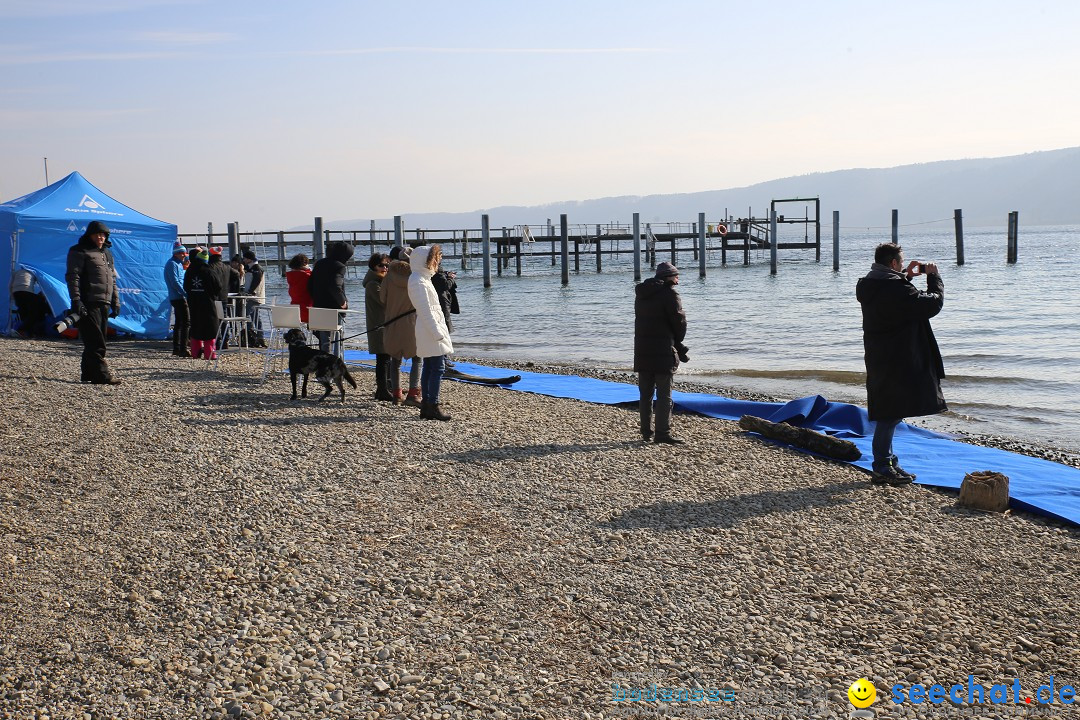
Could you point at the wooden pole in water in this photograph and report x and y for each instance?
(896, 226)
(500, 243)
(234, 239)
(1014, 232)
(281, 252)
(551, 234)
(564, 235)
(817, 226)
(597, 248)
(836, 240)
(485, 235)
(637, 247)
(317, 239)
(464, 249)
(399, 239)
(772, 242)
(958, 221)
(701, 243)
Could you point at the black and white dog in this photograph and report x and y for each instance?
(326, 368)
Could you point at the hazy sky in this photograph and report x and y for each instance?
(270, 113)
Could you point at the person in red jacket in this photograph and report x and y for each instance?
(298, 275)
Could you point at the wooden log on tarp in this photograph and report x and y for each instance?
(805, 438)
(985, 490)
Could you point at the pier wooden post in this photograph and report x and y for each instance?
(836, 240)
(281, 252)
(551, 234)
(693, 243)
(701, 244)
(564, 235)
(485, 237)
(637, 247)
(319, 249)
(958, 220)
(577, 253)
(210, 238)
(399, 238)
(517, 255)
(234, 239)
(772, 242)
(1014, 240)
(597, 248)
(817, 226)
(896, 226)
(464, 249)
(500, 243)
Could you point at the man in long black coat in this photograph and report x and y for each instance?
(903, 363)
(659, 329)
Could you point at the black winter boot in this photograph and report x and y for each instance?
(425, 410)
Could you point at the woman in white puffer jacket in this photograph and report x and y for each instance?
(432, 335)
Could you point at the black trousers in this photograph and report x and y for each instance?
(92, 327)
(660, 383)
(181, 326)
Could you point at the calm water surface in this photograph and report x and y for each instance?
(1009, 334)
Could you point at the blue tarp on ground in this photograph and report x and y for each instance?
(1038, 485)
(37, 230)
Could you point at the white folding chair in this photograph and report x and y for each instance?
(328, 320)
(282, 319)
(232, 326)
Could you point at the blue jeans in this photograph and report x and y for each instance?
(882, 445)
(431, 379)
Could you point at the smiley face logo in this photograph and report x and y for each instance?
(862, 693)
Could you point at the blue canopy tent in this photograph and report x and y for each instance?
(37, 230)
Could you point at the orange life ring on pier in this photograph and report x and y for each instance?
(721, 228)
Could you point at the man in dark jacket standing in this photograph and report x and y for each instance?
(659, 329)
(327, 284)
(91, 281)
(903, 363)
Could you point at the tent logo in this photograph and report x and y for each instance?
(72, 226)
(89, 202)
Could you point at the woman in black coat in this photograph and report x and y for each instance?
(203, 287)
(327, 284)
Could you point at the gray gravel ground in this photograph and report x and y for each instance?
(192, 544)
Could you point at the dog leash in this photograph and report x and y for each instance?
(377, 327)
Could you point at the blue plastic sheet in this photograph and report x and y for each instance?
(1037, 485)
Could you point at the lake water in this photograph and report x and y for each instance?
(1009, 334)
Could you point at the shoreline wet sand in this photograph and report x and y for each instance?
(192, 544)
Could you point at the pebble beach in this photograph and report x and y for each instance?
(194, 544)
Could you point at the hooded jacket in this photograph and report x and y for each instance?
(174, 278)
(374, 312)
(91, 274)
(659, 326)
(432, 335)
(903, 363)
(399, 337)
(327, 281)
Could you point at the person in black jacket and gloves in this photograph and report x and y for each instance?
(903, 363)
(91, 281)
(659, 329)
(327, 285)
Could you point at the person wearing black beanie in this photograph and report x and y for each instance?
(91, 281)
(659, 329)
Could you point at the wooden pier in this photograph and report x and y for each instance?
(469, 248)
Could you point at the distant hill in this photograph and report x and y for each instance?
(1042, 186)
